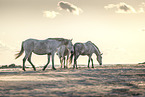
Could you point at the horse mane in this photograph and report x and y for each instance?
(94, 46)
(58, 39)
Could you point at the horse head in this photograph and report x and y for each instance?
(99, 58)
(70, 46)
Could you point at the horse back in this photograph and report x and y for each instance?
(79, 48)
(83, 48)
(29, 43)
(37, 46)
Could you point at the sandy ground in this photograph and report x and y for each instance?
(102, 81)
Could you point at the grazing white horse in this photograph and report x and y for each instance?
(63, 52)
(88, 49)
(42, 47)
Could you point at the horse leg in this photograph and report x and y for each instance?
(61, 61)
(92, 63)
(29, 60)
(47, 63)
(89, 62)
(64, 62)
(24, 59)
(75, 61)
(53, 62)
(67, 65)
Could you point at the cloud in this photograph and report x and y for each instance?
(69, 7)
(50, 14)
(123, 8)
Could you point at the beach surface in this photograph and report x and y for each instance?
(101, 81)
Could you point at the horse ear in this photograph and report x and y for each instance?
(71, 39)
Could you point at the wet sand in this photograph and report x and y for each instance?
(101, 81)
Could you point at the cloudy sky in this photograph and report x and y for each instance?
(117, 27)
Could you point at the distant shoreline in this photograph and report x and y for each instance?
(58, 65)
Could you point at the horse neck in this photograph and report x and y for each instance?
(97, 51)
(61, 43)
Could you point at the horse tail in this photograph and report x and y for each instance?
(21, 52)
(71, 57)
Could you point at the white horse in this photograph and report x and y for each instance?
(88, 49)
(62, 53)
(42, 47)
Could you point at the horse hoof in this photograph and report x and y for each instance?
(54, 68)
